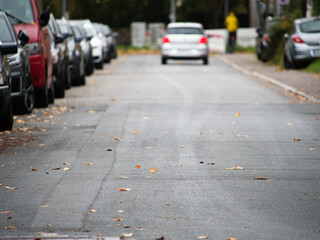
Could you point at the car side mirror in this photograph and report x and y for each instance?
(44, 18)
(286, 36)
(58, 39)
(8, 48)
(23, 37)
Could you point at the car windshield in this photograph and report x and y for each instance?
(185, 30)
(18, 10)
(310, 27)
(5, 35)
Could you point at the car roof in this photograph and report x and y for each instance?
(185, 24)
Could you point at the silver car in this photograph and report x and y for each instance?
(303, 45)
(184, 41)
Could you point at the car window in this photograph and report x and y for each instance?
(185, 30)
(310, 27)
(20, 9)
(5, 33)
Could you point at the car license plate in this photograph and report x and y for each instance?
(315, 53)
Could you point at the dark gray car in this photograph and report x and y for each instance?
(303, 44)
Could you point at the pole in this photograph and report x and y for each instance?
(64, 8)
(173, 11)
(226, 8)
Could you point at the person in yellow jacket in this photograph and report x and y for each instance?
(231, 23)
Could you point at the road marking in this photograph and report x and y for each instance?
(270, 80)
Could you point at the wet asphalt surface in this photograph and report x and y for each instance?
(182, 151)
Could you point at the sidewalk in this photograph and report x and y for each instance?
(303, 83)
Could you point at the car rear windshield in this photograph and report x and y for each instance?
(5, 35)
(18, 10)
(185, 30)
(310, 27)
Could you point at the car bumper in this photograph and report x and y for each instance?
(304, 52)
(187, 52)
(16, 80)
(37, 72)
(4, 99)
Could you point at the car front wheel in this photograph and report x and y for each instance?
(6, 121)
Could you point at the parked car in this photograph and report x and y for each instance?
(105, 45)
(303, 44)
(8, 45)
(184, 41)
(111, 37)
(60, 56)
(97, 45)
(22, 90)
(264, 38)
(76, 55)
(86, 47)
(28, 15)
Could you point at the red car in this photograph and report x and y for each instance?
(28, 15)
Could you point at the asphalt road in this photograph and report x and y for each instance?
(232, 157)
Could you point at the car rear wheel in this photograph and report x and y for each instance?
(6, 121)
(42, 99)
(59, 90)
(205, 61)
(100, 65)
(164, 60)
(286, 63)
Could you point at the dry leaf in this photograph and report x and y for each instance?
(290, 124)
(315, 119)
(203, 237)
(120, 211)
(297, 139)
(238, 114)
(127, 235)
(41, 145)
(92, 112)
(235, 168)
(181, 146)
(153, 170)
(117, 139)
(67, 169)
(139, 229)
(10, 188)
(176, 165)
(117, 219)
(135, 132)
(56, 168)
(89, 164)
(241, 135)
(137, 166)
(9, 227)
(5, 212)
(260, 178)
(145, 118)
(92, 210)
(123, 177)
(44, 206)
(124, 189)
(34, 169)
(176, 219)
(148, 148)
(312, 149)
(231, 239)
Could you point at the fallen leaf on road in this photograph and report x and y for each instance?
(123, 177)
(203, 237)
(137, 166)
(56, 168)
(9, 227)
(34, 169)
(231, 239)
(120, 211)
(238, 114)
(176, 165)
(67, 169)
(92, 210)
(127, 235)
(312, 149)
(177, 219)
(117, 219)
(89, 164)
(153, 170)
(148, 148)
(91, 112)
(145, 118)
(181, 146)
(260, 178)
(44, 206)
(5, 212)
(126, 226)
(124, 189)
(41, 145)
(10, 188)
(42, 130)
(241, 135)
(139, 229)
(235, 168)
(315, 119)
(117, 139)
(135, 132)
(297, 139)
(290, 124)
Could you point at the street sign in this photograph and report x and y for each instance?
(283, 2)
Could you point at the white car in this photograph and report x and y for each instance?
(184, 41)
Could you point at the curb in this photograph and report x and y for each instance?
(271, 80)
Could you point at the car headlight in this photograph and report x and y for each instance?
(1, 79)
(34, 48)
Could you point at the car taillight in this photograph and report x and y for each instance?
(266, 38)
(297, 39)
(165, 40)
(203, 40)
